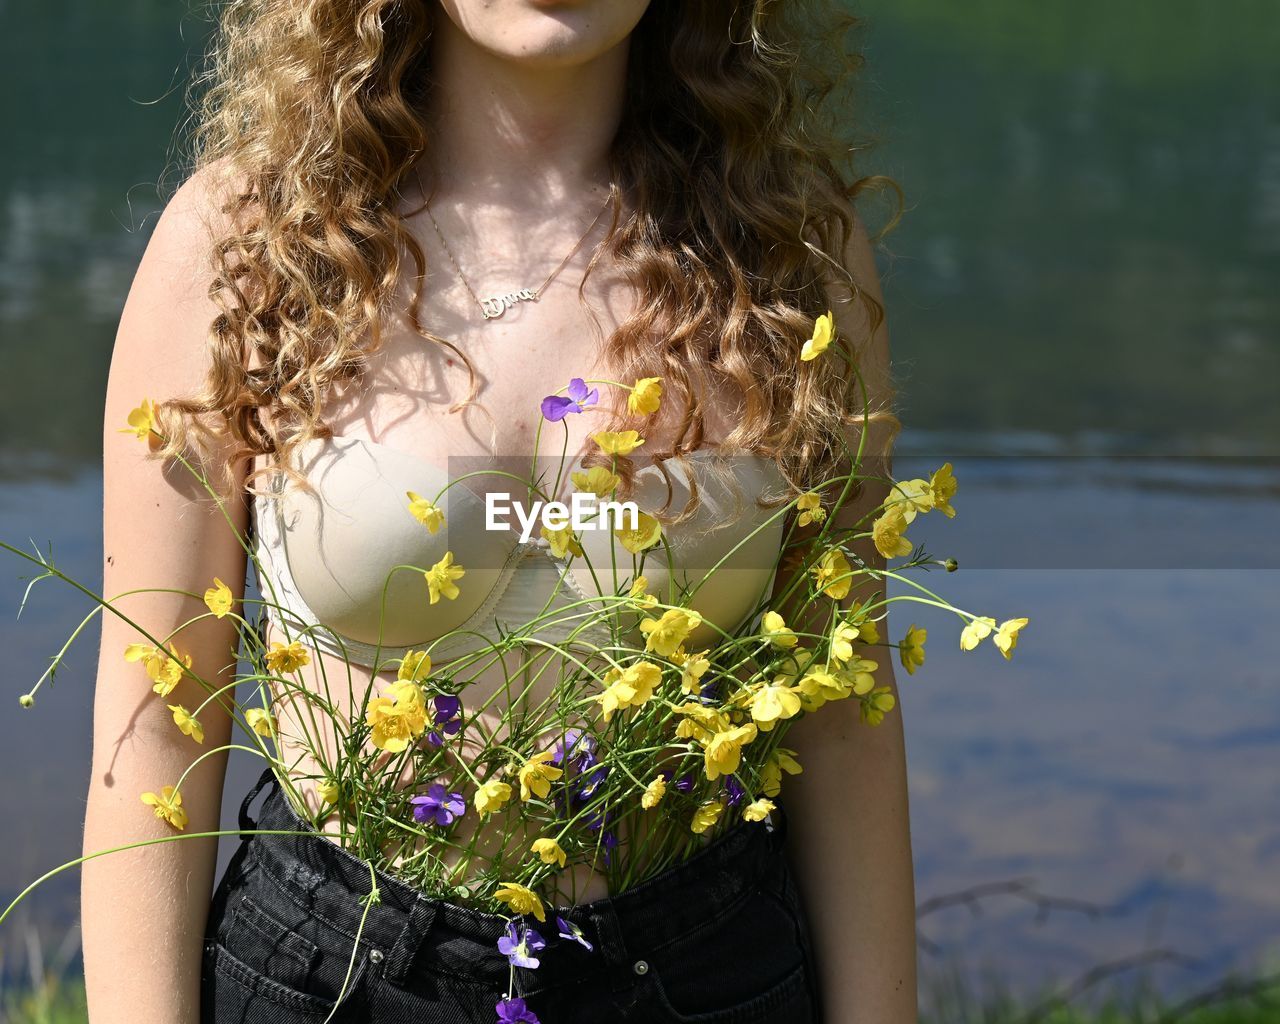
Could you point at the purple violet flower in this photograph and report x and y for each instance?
(734, 789)
(577, 745)
(591, 783)
(609, 843)
(557, 407)
(445, 718)
(438, 805)
(514, 1011)
(519, 945)
(570, 931)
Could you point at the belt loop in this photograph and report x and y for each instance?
(611, 946)
(247, 823)
(421, 917)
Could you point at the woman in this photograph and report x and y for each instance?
(358, 151)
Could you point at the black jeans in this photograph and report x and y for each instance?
(719, 939)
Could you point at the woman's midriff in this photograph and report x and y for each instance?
(576, 884)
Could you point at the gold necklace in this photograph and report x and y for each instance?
(495, 305)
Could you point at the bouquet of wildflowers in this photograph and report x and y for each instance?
(617, 751)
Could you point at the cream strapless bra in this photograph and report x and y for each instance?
(328, 554)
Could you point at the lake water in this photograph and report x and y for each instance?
(1085, 321)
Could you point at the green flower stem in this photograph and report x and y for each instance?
(134, 846)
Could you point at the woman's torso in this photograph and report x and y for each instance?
(329, 552)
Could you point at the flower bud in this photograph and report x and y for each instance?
(26, 700)
(951, 565)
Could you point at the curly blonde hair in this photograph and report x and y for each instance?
(731, 144)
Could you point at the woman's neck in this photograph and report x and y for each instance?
(507, 128)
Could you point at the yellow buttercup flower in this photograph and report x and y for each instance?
(691, 672)
(629, 687)
(415, 666)
(700, 723)
(491, 795)
(425, 511)
(706, 816)
(943, 486)
(653, 793)
(387, 730)
(561, 541)
(285, 658)
(975, 632)
(665, 635)
(869, 632)
(823, 331)
(783, 760)
(218, 598)
(758, 810)
(549, 851)
(170, 671)
(163, 668)
(818, 688)
(911, 650)
(723, 752)
(790, 668)
(260, 721)
(1006, 637)
(647, 533)
(397, 717)
(842, 640)
(168, 806)
(887, 532)
(536, 776)
(440, 578)
(408, 697)
(833, 573)
(328, 791)
(810, 508)
(876, 704)
(645, 397)
(143, 423)
(186, 722)
(520, 899)
(638, 595)
(597, 480)
(910, 497)
(617, 442)
(775, 630)
(858, 675)
(772, 703)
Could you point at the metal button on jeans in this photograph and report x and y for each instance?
(641, 967)
(375, 955)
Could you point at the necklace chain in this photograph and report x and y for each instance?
(494, 306)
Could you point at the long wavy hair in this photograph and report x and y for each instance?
(735, 142)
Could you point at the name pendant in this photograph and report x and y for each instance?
(494, 306)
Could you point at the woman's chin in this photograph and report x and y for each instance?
(547, 33)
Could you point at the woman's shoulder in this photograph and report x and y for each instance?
(168, 306)
(857, 303)
(204, 208)
(162, 347)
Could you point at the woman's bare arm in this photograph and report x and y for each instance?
(144, 910)
(850, 833)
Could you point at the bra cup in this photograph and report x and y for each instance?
(344, 540)
(716, 533)
(328, 553)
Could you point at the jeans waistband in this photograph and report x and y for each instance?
(333, 884)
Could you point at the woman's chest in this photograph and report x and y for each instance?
(467, 384)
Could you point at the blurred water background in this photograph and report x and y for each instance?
(1084, 309)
